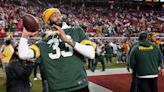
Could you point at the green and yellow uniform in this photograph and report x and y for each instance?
(145, 58)
(62, 66)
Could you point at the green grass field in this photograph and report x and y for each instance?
(36, 85)
(111, 65)
(2, 80)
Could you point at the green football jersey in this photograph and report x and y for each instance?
(61, 65)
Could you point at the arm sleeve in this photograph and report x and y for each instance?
(128, 59)
(24, 51)
(132, 61)
(85, 50)
(161, 63)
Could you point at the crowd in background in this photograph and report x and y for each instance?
(101, 22)
(97, 22)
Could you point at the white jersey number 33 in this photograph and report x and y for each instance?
(64, 53)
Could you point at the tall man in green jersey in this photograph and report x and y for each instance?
(146, 58)
(62, 56)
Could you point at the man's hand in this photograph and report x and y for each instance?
(63, 36)
(162, 72)
(128, 68)
(26, 34)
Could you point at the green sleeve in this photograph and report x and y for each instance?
(161, 63)
(128, 59)
(132, 59)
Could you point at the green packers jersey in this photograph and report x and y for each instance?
(61, 65)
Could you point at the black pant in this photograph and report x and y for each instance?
(44, 86)
(108, 58)
(90, 63)
(86, 89)
(99, 59)
(147, 85)
(35, 69)
(133, 87)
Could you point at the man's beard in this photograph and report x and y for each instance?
(54, 23)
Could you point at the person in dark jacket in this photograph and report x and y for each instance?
(146, 58)
(100, 53)
(18, 73)
(109, 52)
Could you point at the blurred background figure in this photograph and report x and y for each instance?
(109, 52)
(35, 70)
(7, 53)
(90, 63)
(119, 53)
(2, 31)
(162, 49)
(100, 56)
(125, 48)
(18, 73)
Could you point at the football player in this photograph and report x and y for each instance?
(61, 56)
(153, 39)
